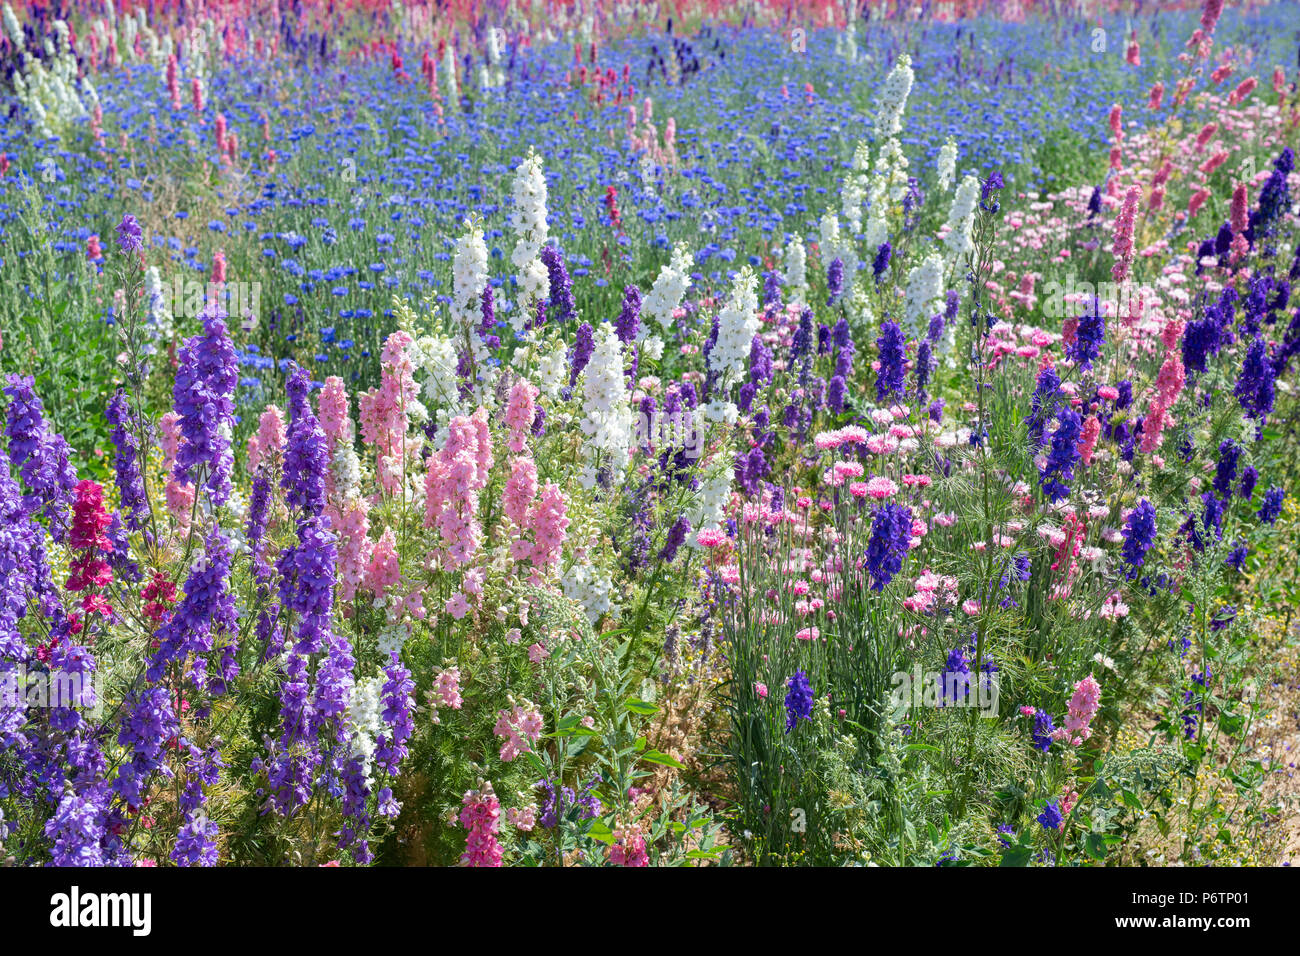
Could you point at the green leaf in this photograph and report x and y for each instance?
(1095, 846)
(637, 706)
(600, 831)
(1016, 856)
(655, 756)
(705, 854)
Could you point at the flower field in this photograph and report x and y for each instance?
(579, 433)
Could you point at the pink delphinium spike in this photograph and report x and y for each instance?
(1123, 247)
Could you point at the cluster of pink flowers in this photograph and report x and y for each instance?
(385, 412)
(628, 848)
(1083, 706)
(268, 439)
(520, 412)
(1123, 246)
(481, 816)
(179, 494)
(519, 727)
(446, 686)
(457, 473)
(351, 522)
(89, 572)
(1169, 385)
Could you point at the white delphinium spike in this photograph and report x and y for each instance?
(12, 28)
(947, 164)
(607, 420)
(710, 506)
(893, 98)
(469, 267)
(738, 323)
(448, 74)
(160, 315)
(924, 287)
(854, 193)
(528, 220)
(835, 245)
(669, 287)
(961, 221)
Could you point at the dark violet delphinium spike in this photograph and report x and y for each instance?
(1255, 387)
(1042, 732)
(487, 304)
(798, 700)
(891, 345)
(356, 811)
(891, 532)
(1201, 339)
(675, 539)
(835, 280)
(1094, 203)
(126, 568)
(1062, 456)
(760, 361)
(1274, 200)
(1226, 470)
(562, 304)
(41, 457)
(126, 464)
(954, 679)
(306, 456)
(1042, 404)
(1249, 477)
(1089, 337)
(881, 262)
(208, 608)
(1211, 520)
(204, 391)
(1223, 240)
(584, 346)
(397, 701)
(1281, 296)
(1288, 348)
(772, 289)
(924, 366)
(147, 727)
(802, 340)
(628, 323)
(1271, 507)
(1139, 534)
(836, 392)
(196, 843)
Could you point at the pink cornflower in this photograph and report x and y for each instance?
(710, 537)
